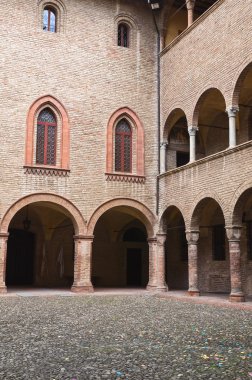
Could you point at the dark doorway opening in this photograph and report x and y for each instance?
(20, 258)
(134, 267)
(182, 158)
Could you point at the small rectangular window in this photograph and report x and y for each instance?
(218, 242)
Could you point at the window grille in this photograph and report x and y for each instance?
(46, 138)
(123, 35)
(123, 143)
(49, 20)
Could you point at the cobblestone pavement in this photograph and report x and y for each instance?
(122, 337)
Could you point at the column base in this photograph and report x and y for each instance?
(82, 289)
(193, 293)
(3, 289)
(237, 297)
(153, 288)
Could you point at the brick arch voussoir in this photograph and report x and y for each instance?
(127, 112)
(145, 215)
(237, 202)
(238, 81)
(200, 98)
(198, 203)
(167, 127)
(75, 214)
(172, 204)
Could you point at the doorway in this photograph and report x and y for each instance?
(134, 267)
(20, 258)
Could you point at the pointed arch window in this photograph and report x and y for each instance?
(49, 19)
(123, 147)
(46, 138)
(123, 35)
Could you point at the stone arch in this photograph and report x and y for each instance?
(177, 206)
(116, 116)
(171, 119)
(239, 78)
(240, 197)
(141, 211)
(202, 97)
(53, 103)
(71, 210)
(199, 203)
(61, 10)
(127, 18)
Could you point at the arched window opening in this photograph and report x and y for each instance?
(49, 19)
(46, 138)
(123, 35)
(123, 147)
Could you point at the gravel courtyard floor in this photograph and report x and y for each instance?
(122, 337)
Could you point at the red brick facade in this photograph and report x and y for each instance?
(81, 209)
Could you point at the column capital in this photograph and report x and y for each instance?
(233, 233)
(190, 4)
(163, 144)
(192, 130)
(152, 240)
(232, 111)
(161, 238)
(84, 237)
(4, 235)
(192, 236)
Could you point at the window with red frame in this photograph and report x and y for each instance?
(46, 138)
(123, 147)
(123, 35)
(49, 19)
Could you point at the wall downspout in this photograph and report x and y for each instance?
(158, 110)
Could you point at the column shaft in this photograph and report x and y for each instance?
(152, 264)
(234, 234)
(190, 11)
(157, 264)
(163, 157)
(82, 264)
(192, 239)
(3, 257)
(192, 134)
(232, 111)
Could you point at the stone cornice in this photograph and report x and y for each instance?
(125, 177)
(213, 157)
(46, 171)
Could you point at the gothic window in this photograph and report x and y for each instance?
(123, 35)
(49, 19)
(123, 146)
(46, 138)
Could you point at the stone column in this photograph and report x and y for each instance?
(190, 8)
(3, 257)
(232, 111)
(82, 264)
(157, 264)
(163, 157)
(192, 133)
(234, 236)
(192, 240)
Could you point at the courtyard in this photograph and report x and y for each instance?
(123, 336)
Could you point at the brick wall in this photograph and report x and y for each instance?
(84, 69)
